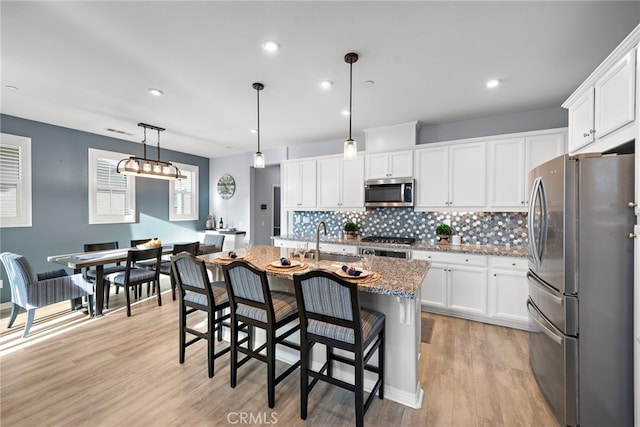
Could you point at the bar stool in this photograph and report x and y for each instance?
(330, 314)
(253, 304)
(196, 294)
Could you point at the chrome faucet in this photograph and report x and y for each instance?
(324, 224)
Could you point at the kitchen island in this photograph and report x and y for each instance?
(396, 294)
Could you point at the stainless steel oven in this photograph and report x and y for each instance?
(388, 252)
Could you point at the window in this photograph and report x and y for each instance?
(15, 181)
(183, 195)
(111, 195)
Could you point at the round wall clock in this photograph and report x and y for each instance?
(226, 186)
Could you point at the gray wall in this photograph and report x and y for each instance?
(264, 180)
(549, 118)
(60, 197)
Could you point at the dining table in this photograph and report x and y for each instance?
(98, 259)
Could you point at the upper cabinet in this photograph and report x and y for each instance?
(509, 162)
(392, 138)
(451, 176)
(397, 164)
(602, 111)
(299, 182)
(340, 183)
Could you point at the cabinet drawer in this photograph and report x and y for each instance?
(280, 243)
(509, 263)
(449, 258)
(338, 249)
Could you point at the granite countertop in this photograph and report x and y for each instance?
(509, 251)
(399, 277)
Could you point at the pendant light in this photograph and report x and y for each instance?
(350, 146)
(148, 168)
(258, 158)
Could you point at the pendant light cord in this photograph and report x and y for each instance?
(350, 94)
(144, 144)
(158, 144)
(258, 97)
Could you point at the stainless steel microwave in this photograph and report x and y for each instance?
(388, 192)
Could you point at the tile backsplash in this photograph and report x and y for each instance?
(484, 228)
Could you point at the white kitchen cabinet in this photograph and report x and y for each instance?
(509, 162)
(490, 289)
(299, 184)
(507, 174)
(508, 289)
(397, 164)
(283, 243)
(340, 183)
(451, 176)
(392, 137)
(602, 110)
(458, 284)
(336, 248)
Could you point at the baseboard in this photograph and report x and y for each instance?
(516, 324)
(5, 305)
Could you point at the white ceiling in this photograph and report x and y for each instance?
(88, 65)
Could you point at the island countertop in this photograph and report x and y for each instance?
(399, 277)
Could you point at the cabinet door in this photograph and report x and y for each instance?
(581, 122)
(542, 148)
(352, 185)
(507, 174)
(401, 164)
(292, 185)
(615, 96)
(377, 166)
(508, 290)
(432, 177)
(467, 289)
(308, 184)
(434, 287)
(467, 175)
(329, 182)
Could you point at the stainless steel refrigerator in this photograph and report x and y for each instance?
(580, 277)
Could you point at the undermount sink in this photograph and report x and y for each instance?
(325, 256)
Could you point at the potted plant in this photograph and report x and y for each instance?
(444, 231)
(351, 230)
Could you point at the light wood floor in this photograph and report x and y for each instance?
(116, 370)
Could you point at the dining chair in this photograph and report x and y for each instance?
(31, 291)
(253, 304)
(165, 264)
(211, 243)
(90, 273)
(198, 294)
(330, 314)
(134, 276)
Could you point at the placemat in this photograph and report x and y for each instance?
(228, 260)
(369, 279)
(287, 269)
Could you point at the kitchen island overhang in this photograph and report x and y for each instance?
(396, 294)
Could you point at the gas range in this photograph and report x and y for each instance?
(386, 239)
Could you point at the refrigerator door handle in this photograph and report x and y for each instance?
(554, 296)
(547, 331)
(533, 247)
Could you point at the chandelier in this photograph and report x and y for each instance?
(258, 158)
(149, 168)
(350, 146)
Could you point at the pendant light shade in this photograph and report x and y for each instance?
(148, 168)
(258, 158)
(350, 146)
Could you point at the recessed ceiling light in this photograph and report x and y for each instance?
(270, 46)
(10, 87)
(493, 83)
(369, 82)
(345, 113)
(156, 92)
(326, 84)
(254, 131)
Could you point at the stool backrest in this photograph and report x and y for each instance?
(216, 240)
(191, 248)
(248, 285)
(324, 296)
(190, 274)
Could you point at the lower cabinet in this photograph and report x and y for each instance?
(488, 289)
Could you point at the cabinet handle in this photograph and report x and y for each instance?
(584, 135)
(632, 235)
(522, 202)
(495, 275)
(592, 131)
(632, 204)
(466, 260)
(513, 263)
